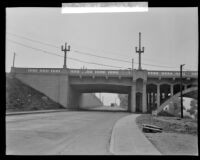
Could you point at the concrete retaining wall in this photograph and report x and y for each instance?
(58, 89)
(53, 86)
(89, 100)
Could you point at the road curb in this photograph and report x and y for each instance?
(112, 139)
(36, 112)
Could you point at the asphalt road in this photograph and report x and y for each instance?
(60, 133)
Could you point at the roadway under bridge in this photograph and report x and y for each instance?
(146, 90)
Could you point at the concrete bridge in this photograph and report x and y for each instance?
(146, 90)
(189, 92)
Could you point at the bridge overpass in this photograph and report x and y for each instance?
(146, 89)
(191, 92)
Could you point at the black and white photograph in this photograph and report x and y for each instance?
(113, 78)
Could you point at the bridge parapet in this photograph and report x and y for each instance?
(171, 74)
(93, 72)
(37, 70)
(100, 72)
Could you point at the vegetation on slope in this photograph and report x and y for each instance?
(123, 100)
(169, 124)
(20, 97)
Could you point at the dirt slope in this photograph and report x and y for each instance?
(20, 97)
(179, 137)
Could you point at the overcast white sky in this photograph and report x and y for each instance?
(169, 35)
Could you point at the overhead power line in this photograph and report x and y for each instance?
(119, 60)
(90, 54)
(52, 53)
(77, 51)
(114, 59)
(33, 40)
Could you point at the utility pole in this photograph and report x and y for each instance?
(132, 64)
(139, 51)
(65, 51)
(181, 68)
(14, 60)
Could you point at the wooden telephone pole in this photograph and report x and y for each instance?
(132, 66)
(65, 51)
(14, 60)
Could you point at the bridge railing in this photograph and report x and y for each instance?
(91, 72)
(37, 70)
(100, 72)
(172, 74)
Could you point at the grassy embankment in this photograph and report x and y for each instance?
(169, 124)
(21, 97)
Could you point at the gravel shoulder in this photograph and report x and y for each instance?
(179, 137)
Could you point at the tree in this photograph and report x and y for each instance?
(193, 109)
(123, 100)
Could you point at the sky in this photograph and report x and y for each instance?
(169, 35)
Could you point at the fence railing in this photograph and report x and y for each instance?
(88, 72)
(100, 72)
(172, 74)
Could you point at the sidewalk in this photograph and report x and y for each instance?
(127, 139)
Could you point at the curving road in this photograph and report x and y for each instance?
(60, 133)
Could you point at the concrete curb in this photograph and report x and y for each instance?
(35, 112)
(112, 139)
(128, 139)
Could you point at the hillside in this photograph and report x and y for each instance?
(20, 97)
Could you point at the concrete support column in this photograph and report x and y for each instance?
(158, 96)
(63, 94)
(171, 90)
(153, 99)
(133, 97)
(129, 102)
(148, 99)
(144, 98)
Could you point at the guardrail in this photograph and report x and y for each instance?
(94, 72)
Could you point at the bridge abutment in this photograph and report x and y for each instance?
(63, 94)
(144, 98)
(133, 98)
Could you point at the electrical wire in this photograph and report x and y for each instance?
(52, 53)
(90, 54)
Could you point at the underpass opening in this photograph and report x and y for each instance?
(164, 92)
(138, 102)
(151, 97)
(103, 97)
(104, 101)
(177, 88)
